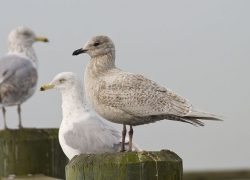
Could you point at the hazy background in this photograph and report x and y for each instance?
(198, 48)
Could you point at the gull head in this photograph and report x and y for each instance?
(97, 46)
(24, 36)
(62, 81)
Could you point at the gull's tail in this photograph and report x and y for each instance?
(202, 115)
(195, 117)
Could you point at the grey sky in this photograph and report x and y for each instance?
(198, 48)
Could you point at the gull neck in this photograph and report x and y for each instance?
(72, 101)
(23, 50)
(101, 64)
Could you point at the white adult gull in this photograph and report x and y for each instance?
(81, 130)
(127, 98)
(18, 70)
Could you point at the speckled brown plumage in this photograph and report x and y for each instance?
(127, 98)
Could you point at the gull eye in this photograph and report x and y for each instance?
(62, 80)
(26, 33)
(96, 44)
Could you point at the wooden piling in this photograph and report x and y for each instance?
(162, 165)
(31, 151)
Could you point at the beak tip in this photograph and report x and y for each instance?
(75, 53)
(79, 51)
(42, 89)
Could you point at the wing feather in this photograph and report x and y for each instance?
(15, 65)
(140, 96)
(18, 77)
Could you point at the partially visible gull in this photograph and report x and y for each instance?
(18, 70)
(127, 98)
(81, 130)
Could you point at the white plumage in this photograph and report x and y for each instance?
(81, 130)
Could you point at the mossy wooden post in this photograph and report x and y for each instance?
(31, 151)
(162, 165)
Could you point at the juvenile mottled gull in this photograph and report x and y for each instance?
(127, 98)
(81, 130)
(18, 70)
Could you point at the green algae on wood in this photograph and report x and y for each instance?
(162, 165)
(31, 151)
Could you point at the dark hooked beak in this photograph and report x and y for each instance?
(79, 51)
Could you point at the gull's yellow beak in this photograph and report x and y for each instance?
(41, 39)
(47, 87)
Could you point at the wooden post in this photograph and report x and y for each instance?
(162, 165)
(33, 177)
(31, 151)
